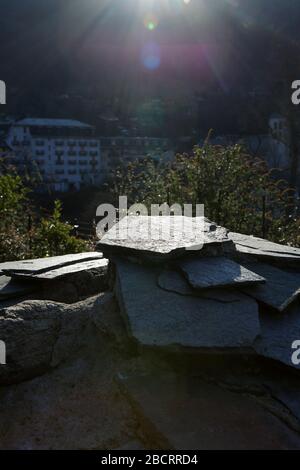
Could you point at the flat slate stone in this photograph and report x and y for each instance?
(278, 332)
(40, 265)
(185, 413)
(164, 237)
(155, 317)
(287, 392)
(204, 273)
(174, 281)
(98, 264)
(281, 289)
(10, 288)
(265, 249)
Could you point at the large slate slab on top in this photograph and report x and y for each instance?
(184, 413)
(98, 265)
(155, 317)
(205, 273)
(44, 264)
(278, 332)
(281, 289)
(265, 249)
(163, 237)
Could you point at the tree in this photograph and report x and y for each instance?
(237, 190)
(22, 234)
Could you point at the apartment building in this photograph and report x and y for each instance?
(65, 153)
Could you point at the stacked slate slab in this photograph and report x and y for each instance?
(273, 253)
(57, 275)
(204, 289)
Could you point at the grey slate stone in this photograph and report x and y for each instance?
(278, 332)
(40, 334)
(281, 289)
(158, 238)
(204, 273)
(65, 271)
(11, 288)
(287, 392)
(155, 317)
(174, 281)
(265, 250)
(35, 266)
(185, 413)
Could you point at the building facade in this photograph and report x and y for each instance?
(64, 153)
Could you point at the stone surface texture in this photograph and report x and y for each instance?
(204, 273)
(264, 249)
(278, 332)
(40, 265)
(164, 237)
(41, 334)
(156, 317)
(174, 281)
(163, 361)
(281, 289)
(10, 288)
(188, 414)
(65, 271)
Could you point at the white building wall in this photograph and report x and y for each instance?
(63, 162)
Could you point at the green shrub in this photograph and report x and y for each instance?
(53, 236)
(22, 236)
(237, 190)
